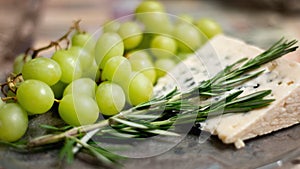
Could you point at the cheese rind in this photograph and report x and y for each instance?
(281, 76)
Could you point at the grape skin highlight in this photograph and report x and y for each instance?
(110, 98)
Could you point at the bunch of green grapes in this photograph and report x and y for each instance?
(100, 76)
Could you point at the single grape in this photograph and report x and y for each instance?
(131, 34)
(78, 110)
(156, 23)
(13, 122)
(152, 15)
(19, 62)
(82, 86)
(149, 6)
(188, 37)
(84, 57)
(110, 98)
(209, 27)
(163, 46)
(35, 96)
(138, 89)
(111, 26)
(58, 89)
(163, 66)
(117, 69)
(43, 69)
(140, 62)
(84, 40)
(70, 65)
(108, 45)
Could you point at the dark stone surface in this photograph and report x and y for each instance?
(188, 154)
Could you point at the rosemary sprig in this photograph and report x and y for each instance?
(176, 107)
(233, 75)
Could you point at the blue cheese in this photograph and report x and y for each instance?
(281, 76)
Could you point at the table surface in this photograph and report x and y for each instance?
(260, 27)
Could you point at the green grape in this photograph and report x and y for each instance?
(152, 15)
(58, 89)
(13, 122)
(19, 62)
(131, 34)
(209, 27)
(82, 86)
(117, 69)
(43, 69)
(84, 57)
(138, 89)
(184, 18)
(149, 6)
(140, 62)
(163, 46)
(35, 96)
(110, 98)
(156, 23)
(77, 110)
(108, 45)
(92, 72)
(111, 26)
(164, 65)
(188, 37)
(69, 64)
(84, 40)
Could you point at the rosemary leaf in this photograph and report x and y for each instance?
(129, 123)
(66, 152)
(163, 132)
(142, 116)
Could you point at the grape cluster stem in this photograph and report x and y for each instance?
(56, 44)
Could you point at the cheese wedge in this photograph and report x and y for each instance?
(281, 76)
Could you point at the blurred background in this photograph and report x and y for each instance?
(36, 22)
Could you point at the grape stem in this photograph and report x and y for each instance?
(9, 98)
(11, 83)
(55, 44)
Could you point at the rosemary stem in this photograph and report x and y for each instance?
(48, 139)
